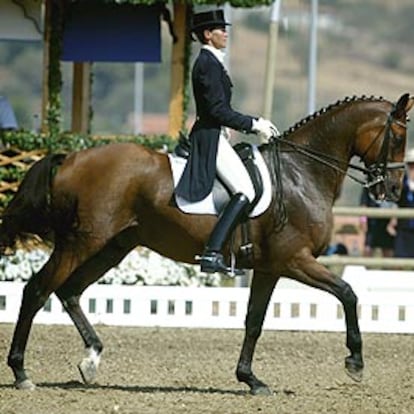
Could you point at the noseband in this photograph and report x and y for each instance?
(377, 172)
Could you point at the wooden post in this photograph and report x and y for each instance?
(46, 60)
(81, 96)
(178, 66)
(271, 60)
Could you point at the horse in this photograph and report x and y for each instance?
(97, 204)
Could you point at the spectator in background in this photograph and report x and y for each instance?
(336, 248)
(376, 231)
(7, 117)
(403, 229)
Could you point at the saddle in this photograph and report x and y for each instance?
(222, 195)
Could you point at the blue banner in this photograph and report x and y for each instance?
(105, 32)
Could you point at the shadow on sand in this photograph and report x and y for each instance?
(148, 389)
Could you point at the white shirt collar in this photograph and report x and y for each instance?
(219, 54)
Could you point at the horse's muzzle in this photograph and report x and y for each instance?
(385, 190)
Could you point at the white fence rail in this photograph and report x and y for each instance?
(378, 262)
(385, 297)
(406, 213)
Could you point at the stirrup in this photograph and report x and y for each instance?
(213, 262)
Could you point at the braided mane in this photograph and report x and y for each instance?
(327, 108)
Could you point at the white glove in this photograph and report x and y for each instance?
(265, 128)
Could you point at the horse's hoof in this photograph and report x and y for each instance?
(355, 375)
(26, 385)
(88, 370)
(354, 370)
(261, 390)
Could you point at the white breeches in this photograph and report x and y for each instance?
(231, 170)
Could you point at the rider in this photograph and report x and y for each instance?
(211, 153)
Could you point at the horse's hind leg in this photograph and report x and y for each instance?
(35, 294)
(312, 273)
(70, 292)
(260, 293)
(88, 367)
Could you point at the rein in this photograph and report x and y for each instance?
(280, 219)
(322, 158)
(376, 173)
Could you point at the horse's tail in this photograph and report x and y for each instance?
(29, 211)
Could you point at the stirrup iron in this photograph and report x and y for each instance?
(212, 262)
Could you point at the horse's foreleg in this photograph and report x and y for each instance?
(354, 364)
(260, 293)
(312, 273)
(88, 367)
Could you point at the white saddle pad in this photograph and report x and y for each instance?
(206, 205)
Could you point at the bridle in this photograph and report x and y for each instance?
(376, 173)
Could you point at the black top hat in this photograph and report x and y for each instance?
(209, 19)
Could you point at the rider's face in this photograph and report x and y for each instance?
(216, 37)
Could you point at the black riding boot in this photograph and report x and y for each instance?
(212, 259)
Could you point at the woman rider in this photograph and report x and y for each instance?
(211, 152)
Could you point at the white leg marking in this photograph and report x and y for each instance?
(89, 366)
(25, 385)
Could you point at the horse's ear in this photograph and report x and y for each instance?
(403, 105)
(409, 105)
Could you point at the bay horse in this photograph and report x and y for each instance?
(98, 204)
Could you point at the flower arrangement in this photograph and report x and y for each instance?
(139, 267)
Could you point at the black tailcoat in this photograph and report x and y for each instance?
(212, 92)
